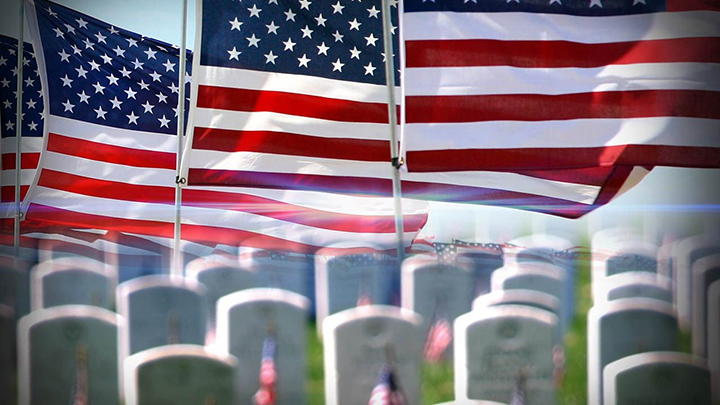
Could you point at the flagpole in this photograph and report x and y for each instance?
(177, 262)
(392, 119)
(18, 135)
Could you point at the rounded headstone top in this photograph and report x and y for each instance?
(69, 263)
(636, 277)
(211, 262)
(518, 311)
(420, 262)
(376, 313)
(69, 311)
(707, 262)
(178, 350)
(542, 241)
(516, 295)
(164, 280)
(263, 294)
(625, 304)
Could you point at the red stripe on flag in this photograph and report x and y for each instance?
(692, 5)
(61, 217)
(542, 107)
(7, 193)
(28, 160)
(105, 188)
(558, 54)
(109, 153)
(298, 214)
(560, 158)
(283, 143)
(222, 98)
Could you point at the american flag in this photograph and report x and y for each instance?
(561, 84)
(438, 339)
(291, 95)
(111, 153)
(267, 394)
(32, 121)
(386, 390)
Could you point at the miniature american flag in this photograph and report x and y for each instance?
(266, 395)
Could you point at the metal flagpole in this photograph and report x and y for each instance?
(18, 135)
(392, 119)
(177, 262)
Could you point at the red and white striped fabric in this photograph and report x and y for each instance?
(438, 339)
(114, 168)
(563, 84)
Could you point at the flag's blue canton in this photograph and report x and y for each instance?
(32, 93)
(104, 75)
(572, 7)
(336, 39)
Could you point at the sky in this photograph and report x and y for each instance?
(686, 200)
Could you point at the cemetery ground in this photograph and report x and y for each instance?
(437, 379)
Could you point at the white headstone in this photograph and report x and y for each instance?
(619, 258)
(179, 375)
(7, 353)
(688, 251)
(68, 354)
(494, 347)
(541, 277)
(657, 378)
(341, 280)
(221, 277)
(161, 310)
(358, 342)
(636, 284)
(705, 271)
(55, 284)
(531, 298)
(713, 319)
(436, 291)
(245, 319)
(553, 250)
(284, 270)
(15, 290)
(484, 259)
(621, 328)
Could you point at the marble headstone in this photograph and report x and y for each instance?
(285, 270)
(622, 257)
(545, 278)
(494, 347)
(636, 284)
(358, 342)
(161, 310)
(688, 251)
(341, 280)
(535, 299)
(221, 277)
(714, 336)
(179, 375)
(70, 285)
(435, 290)
(705, 272)
(624, 327)
(657, 378)
(15, 290)
(7, 354)
(245, 319)
(483, 259)
(68, 353)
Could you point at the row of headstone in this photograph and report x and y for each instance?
(154, 349)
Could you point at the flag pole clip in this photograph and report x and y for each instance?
(397, 162)
(180, 180)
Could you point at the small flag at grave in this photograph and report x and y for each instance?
(518, 393)
(386, 390)
(439, 338)
(266, 395)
